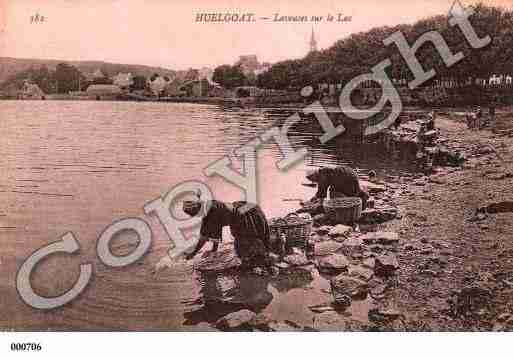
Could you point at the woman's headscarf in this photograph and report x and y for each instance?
(192, 208)
(312, 175)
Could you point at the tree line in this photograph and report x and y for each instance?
(359, 52)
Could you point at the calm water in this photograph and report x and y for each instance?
(78, 166)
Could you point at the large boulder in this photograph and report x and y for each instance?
(360, 272)
(499, 207)
(329, 322)
(352, 246)
(378, 215)
(347, 286)
(237, 320)
(385, 265)
(383, 315)
(223, 260)
(326, 248)
(296, 260)
(340, 230)
(334, 263)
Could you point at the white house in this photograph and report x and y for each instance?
(123, 80)
(158, 85)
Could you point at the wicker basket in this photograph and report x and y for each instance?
(296, 230)
(345, 210)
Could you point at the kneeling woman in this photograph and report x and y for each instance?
(247, 223)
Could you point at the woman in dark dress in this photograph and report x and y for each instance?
(341, 181)
(247, 223)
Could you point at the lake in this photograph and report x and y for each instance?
(78, 166)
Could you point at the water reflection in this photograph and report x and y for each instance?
(228, 291)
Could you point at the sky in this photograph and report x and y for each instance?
(165, 32)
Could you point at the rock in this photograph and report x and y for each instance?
(322, 308)
(385, 238)
(260, 322)
(340, 230)
(437, 243)
(324, 230)
(329, 322)
(411, 246)
(383, 315)
(352, 246)
(437, 180)
(419, 183)
(371, 203)
(479, 216)
(282, 265)
(312, 208)
(236, 320)
(369, 263)
(378, 290)
(275, 258)
(499, 207)
(344, 285)
(470, 299)
(386, 265)
(286, 326)
(378, 215)
(360, 272)
(334, 263)
(222, 260)
(326, 248)
(429, 272)
(376, 248)
(372, 188)
(296, 260)
(499, 176)
(504, 317)
(204, 327)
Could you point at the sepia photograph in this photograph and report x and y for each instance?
(255, 166)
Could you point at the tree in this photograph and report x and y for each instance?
(154, 76)
(139, 83)
(229, 76)
(68, 78)
(191, 75)
(359, 52)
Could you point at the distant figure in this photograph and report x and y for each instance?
(479, 118)
(248, 226)
(342, 181)
(430, 125)
(491, 112)
(474, 119)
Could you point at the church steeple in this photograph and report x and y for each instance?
(313, 42)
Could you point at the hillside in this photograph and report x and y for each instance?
(10, 66)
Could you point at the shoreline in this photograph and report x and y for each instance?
(432, 264)
(449, 256)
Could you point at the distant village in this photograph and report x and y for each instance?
(237, 81)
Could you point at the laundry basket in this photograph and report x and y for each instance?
(293, 227)
(344, 210)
